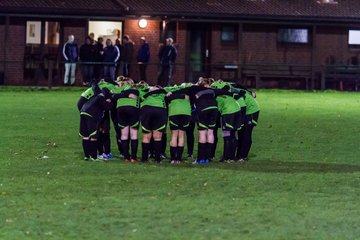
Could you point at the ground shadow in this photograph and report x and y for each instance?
(279, 167)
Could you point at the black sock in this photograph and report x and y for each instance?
(93, 149)
(151, 147)
(125, 149)
(201, 151)
(157, 150)
(233, 148)
(163, 143)
(227, 146)
(173, 153)
(179, 153)
(145, 152)
(118, 142)
(85, 144)
(213, 146)
(106, 142)
(134, 149)
(100, 146)
(210, 150)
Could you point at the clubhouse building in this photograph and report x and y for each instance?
(307, 44)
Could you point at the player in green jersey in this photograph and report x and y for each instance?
(251, 120)
(153, 118)
(179, 111)
(127, 104)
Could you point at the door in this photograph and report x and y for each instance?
(199, 51)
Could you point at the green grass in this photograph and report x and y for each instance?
(302, 182)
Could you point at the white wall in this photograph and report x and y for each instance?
(105, 29)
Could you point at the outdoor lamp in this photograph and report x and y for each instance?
(143, 23)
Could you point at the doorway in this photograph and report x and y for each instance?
(199, 57)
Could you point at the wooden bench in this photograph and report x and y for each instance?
(340, 74)
(260, 73)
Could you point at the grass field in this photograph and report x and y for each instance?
(302, 182)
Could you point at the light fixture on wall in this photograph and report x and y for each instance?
(143, 23)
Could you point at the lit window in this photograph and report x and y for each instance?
(33, 32)
(327, 2)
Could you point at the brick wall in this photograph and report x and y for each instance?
(260, 46)
(181, 46)
(152, 35)
(2, 46)
(334, 42)
(14, 68)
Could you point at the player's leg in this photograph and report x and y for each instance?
(145, 146)
(125, 131)
(145, 113)
(173, 145)
(190, 139)
(134, 143)
(157, 145)
(180, 147)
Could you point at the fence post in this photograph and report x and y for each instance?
(50, 73)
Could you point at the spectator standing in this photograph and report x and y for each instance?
(110, 58)
(99, 51)
(87, 56)
(143, 58)
(167, 56)
(92, 38)
(70, 53)
(128, 46)
(119, 65)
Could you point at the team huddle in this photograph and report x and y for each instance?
(208, 104)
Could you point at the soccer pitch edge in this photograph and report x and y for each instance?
(302, 180)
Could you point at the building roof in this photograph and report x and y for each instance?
(66, 7)
(330, 9)
(333, 10)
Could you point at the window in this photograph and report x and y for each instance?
(36, 56)
(52, 33)
(229, 34)
(33, 32)
(354, 38)
(293, 35)
(167, 30)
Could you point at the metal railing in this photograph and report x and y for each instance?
(50, 72)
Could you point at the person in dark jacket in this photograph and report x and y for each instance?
(110, 58)
(70, 53)
(128, 46)
(143, 58)
(87, 56)
(119, 65)
(167, 57)
(99, 51)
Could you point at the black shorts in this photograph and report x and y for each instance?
(207, 119)
(179, 122)
(252, 119)
(88, 126)
(81, 102)
(128, 116)
(231, 121)
(153, 118)
(104, 126)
